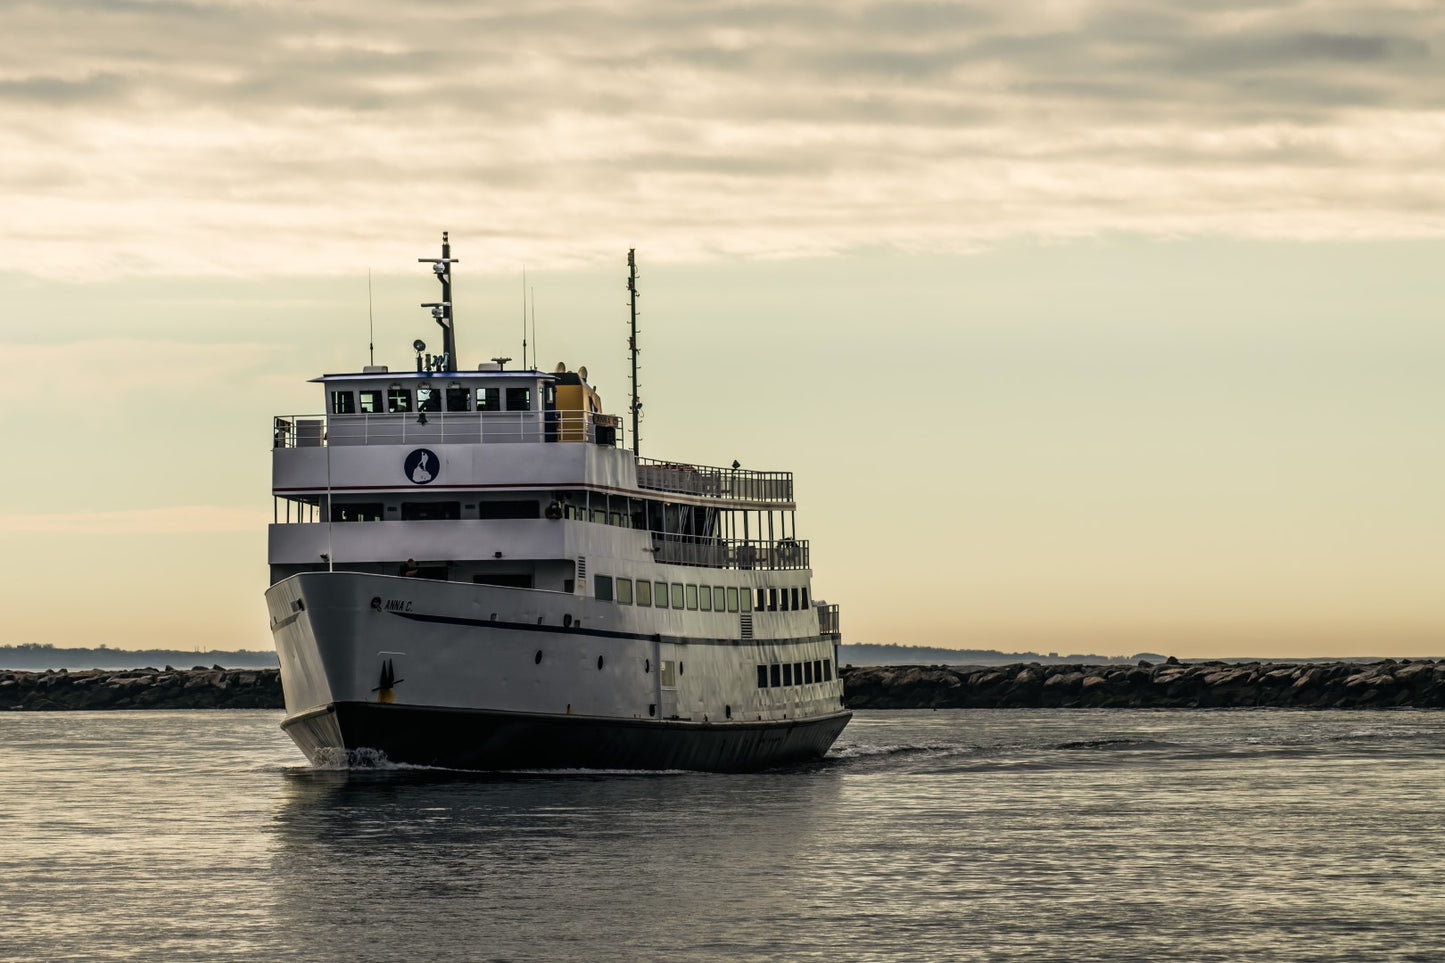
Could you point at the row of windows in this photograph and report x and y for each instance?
(676, 595)
(782, 674)
(400, 400)
(782, 599)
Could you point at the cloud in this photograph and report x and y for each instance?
(249, 137)
(177, 520)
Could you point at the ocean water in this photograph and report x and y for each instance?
(954, 835)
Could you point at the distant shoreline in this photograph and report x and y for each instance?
(1332, 685)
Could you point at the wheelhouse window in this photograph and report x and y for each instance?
(370, 402)
(343, 403)
(489, 399)
(602, 585)
(459, 398)
(428, 398)
(398, 400)
(519, 399)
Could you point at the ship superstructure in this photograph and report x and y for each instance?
(470, 569)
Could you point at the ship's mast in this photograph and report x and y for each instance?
(441, 311)
(632, 348)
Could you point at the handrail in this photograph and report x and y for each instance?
(740, 484)
(445, 427)
(761, 555)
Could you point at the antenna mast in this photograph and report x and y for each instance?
(370, 321)
(441, 311)
(524, 317)
(636, 406)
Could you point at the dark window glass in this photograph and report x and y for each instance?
(805, 596)
(343, 403)
(519, 399)
(807, 673)
(762, 677)
(794, 594)
(509, 509)
(428, 398)
(797, 673)
(787, 673)
(827, 670)
(603, 586)
(775, 673)
(817, 670)
(430, 511)
(459, 399)
(398, 400)
(364, 512)
(370, 402)
(772, 600)
(762, 600)
(489, 399)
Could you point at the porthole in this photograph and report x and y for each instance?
(599, 663)
(538, 659)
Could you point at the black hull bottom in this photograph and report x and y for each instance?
(483, 740)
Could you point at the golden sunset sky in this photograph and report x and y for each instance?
(1085, 326)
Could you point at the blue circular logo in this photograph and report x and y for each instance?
(422, 466)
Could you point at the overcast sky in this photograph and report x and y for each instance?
(1151, 288)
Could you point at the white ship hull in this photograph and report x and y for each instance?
(461, 675)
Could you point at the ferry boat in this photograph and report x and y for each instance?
(471, 569)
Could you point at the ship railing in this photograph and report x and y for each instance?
(828, 624)
(781, 554)
(732, 483)
(445, 427)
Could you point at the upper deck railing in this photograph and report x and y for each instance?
(446, 427)
(733, 483)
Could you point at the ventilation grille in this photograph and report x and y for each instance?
(581, 567)
(747, 625)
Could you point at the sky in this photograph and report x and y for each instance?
(1084, 326)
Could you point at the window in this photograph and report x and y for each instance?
(644, 592)
(762, 677)
(797, 673)
(519, 399)
(489, 399)
(794, 594)
(428, 398)
(398, 400)
(677, 595)
(624, 591)
(459, 399)
(691, 596)
(817, 670)
(783, 599)
(775, 675)
(787, 673)
(807, 673)
(365, 512)
(719, 598)
(745, 597)
(343, 403)
(732, 600)
(762, 600)
(772, 600)
(805, 596)
(508, 509)
(659, 592)
(704, 598)
(827, 670)
(370, 402)
(603, 587)
(599, 516)
(430, 511)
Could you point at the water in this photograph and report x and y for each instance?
(960, 835)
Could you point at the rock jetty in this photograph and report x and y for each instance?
(168, 688)
(1171, 684)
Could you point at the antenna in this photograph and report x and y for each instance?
(524, 317)
(535, 352)
(442, 310)
(370, 320)
(632, 346)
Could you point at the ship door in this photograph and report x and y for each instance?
(666, 681)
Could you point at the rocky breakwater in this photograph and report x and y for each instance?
(1172, 684)
(168, 688)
